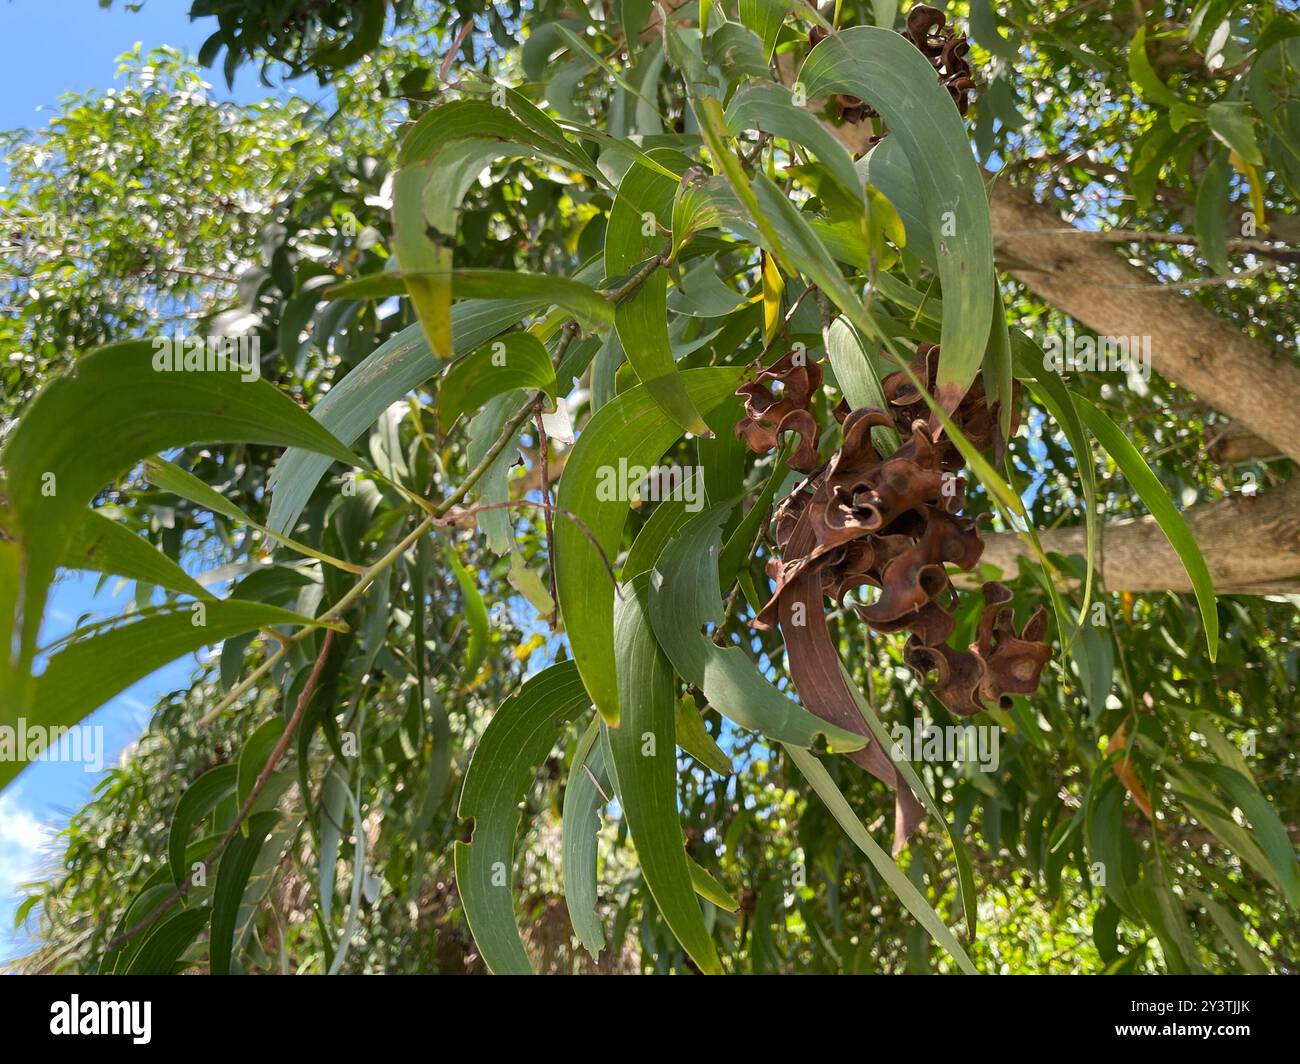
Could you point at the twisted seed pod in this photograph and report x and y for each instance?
(944, 49)
(893, 523)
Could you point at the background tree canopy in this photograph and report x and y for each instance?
(465, 705)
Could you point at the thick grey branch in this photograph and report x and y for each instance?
(1251, 545)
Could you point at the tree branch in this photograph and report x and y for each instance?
(1210, 357)
(1251, 545)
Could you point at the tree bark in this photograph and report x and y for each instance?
(1210, 357)
(1234, 444)
(1251, 545)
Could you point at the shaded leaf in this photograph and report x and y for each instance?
(634, 431)
(517, 739)
(644, 769)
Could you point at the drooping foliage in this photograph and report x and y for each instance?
(744, 247)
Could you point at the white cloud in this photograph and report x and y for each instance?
(23, 842)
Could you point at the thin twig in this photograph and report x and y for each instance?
(1130, 236)
(445, 67)
(543, 448)
(583, 527)
(617, 295)
(587, 768)
(259, 785)
(433, 512)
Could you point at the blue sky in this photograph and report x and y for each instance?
(47, 48)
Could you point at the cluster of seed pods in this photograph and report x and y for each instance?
(946, 50)
(892, 522)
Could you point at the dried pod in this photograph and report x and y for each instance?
(893, 523)
(945, 50)
(778, 401)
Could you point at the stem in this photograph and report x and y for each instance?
(617, 295)
(259, 785)
(550, 509)
(543, 447)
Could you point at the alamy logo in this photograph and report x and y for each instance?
(1067, 353)
(30, 742)
(628, 483)
(974, 744)
(77, 1017)
(196, 354)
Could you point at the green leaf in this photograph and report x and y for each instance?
(503, 769)
(685, 597)
(440, 157)
(253, 756)
(1049, 390)
(195, 803)
(693, 737)
(494, 486)
(880, 66)
(162, 950)
(232, 877)
(1110, 844)
(150, 897)
(709, 888)
(1233, 123)
(668, 516)
(172, 478)
(393, 369)
(1229, 925)
(581, 300)
(86, 429)
(88, 672)
(643, 329)
(1143, 75)
(1151, 154)
(1211, 214)
(855, 372)
(765, 18)
(634, 431)
(737, 52)
(768, 107)
(102, 545)
(583, 801)
(1094, 654)
(749, 214)
(702, 294)
(1265, 825)
(333, 811)
(1195, 793)
(530, 584)
(644, 203)
(695, 209)
(644, 769)
(636, 15)
(1152, 493)
(522, 125)
(960, 856)
(476, 617)
(516, 360)
(367, 17)
(736, 551)
(815, 772)
(580, 47)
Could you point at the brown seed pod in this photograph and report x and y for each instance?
(944, 49)
(893, 523)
